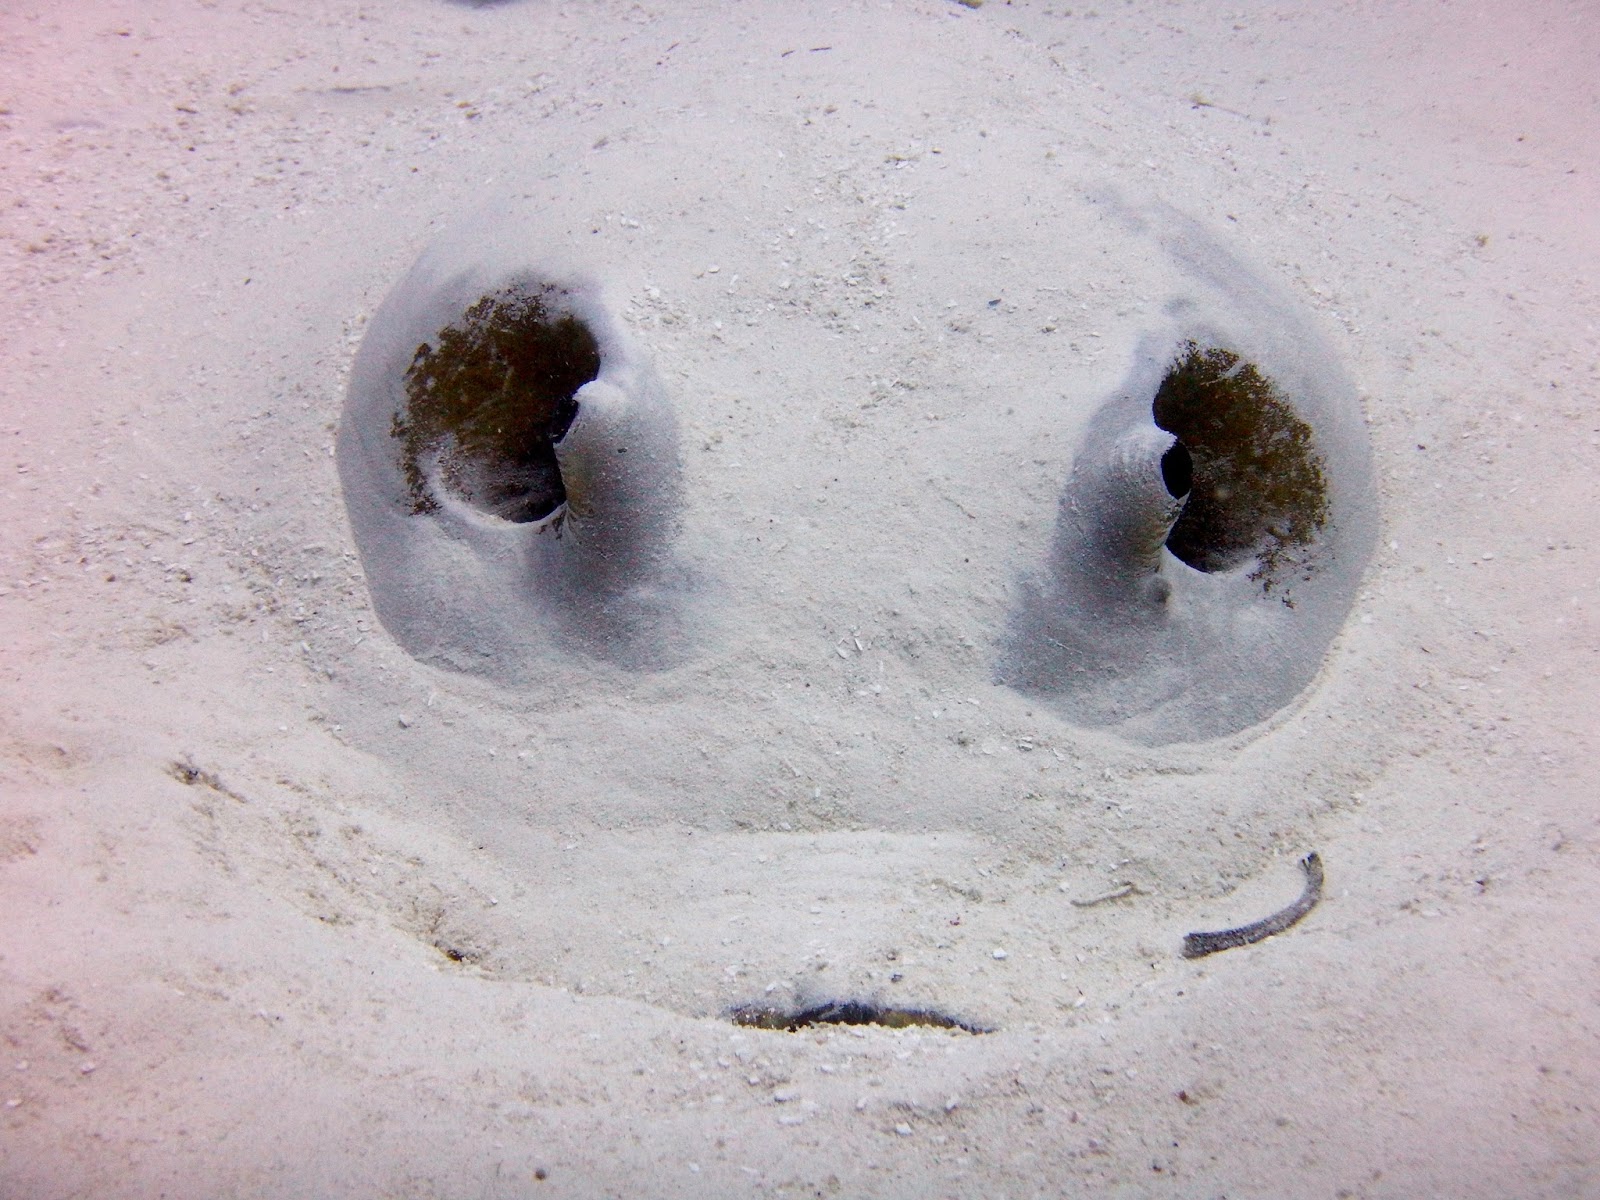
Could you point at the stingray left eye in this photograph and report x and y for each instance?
(510, 464)
(488, 399)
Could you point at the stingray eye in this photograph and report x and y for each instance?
(1208, 545)
(487, 400)
(510, 465)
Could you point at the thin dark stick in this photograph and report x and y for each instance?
(1198, 945)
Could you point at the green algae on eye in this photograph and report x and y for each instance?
(487, 404)
(1257, 487)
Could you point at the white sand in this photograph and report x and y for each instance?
(399, 931)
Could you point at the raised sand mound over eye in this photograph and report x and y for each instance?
(1214, 526)
(509, 461)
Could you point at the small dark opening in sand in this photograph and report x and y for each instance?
(488, 402)
(1254, 479)
(846, 1012)
(1177, 471)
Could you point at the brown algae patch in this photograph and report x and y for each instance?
(487, 404)
(1257, 489)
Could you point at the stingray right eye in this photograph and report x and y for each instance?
(1208, 546)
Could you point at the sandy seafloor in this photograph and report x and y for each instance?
(398, 931)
